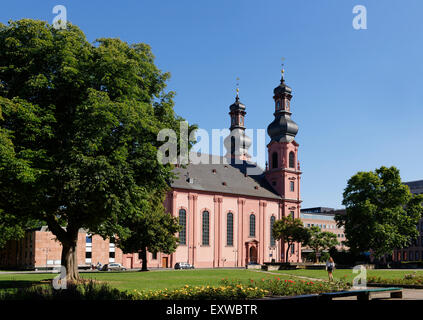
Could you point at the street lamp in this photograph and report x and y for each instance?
(46, 250)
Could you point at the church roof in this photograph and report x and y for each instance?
(221, 176)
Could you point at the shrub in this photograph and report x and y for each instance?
(285, 287)
(87, 291)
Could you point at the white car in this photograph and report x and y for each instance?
(113, 267)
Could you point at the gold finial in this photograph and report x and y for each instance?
(237, 87)
(283, 65)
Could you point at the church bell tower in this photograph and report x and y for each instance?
(237, 143)
(283, 172)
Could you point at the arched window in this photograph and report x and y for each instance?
(183, 224)
(274, 160)
(291, 160)
(272, 238)
(206, 224)
(252, 225)
(230, 229)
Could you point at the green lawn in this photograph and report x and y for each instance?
(146, 280)
(178, 278)
(341, 273)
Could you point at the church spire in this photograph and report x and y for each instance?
(282, 129)
(237, 143)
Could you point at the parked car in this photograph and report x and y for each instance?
(113, 267)
(183, 265)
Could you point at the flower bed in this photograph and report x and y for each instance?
(285, 287)
(223, 292)
(239, 290)
(226, 290)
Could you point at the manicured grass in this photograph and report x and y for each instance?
(348, 274)
(147, 280)
(172, 279)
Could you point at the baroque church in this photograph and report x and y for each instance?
(227, 213)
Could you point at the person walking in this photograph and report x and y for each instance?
(330, 266)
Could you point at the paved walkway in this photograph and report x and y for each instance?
(407, 294)
(290, 275)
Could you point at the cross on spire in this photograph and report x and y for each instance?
(283, 68)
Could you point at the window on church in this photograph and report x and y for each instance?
(230, 229)
(183, 224)
(292, 186)
(274, 160)
(206, 228)
(272, 238)
(293, 248)
(291, 160)
(252, 225)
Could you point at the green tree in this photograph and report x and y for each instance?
(153, 230)
(80, 124)
(381, 212)
(290, 231)
(319, 241)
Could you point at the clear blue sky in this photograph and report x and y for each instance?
(358, 94)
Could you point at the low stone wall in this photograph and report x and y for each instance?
(254, 266)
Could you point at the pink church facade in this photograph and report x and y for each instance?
(251, 236)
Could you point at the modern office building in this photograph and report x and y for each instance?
(324, 218)
(414, 252)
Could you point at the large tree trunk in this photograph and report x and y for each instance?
(144, 259)
(317, 256)
(70, 260)
(68, 238)
(287, 252)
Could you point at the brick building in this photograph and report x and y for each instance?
(39, 249)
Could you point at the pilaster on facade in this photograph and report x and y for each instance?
(172, 197)
(262, 223)
(192, 221)
(241, 231)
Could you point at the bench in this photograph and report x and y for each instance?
(363, 294)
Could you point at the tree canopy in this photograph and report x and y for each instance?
(79, 131)
(320, 240)
(290, 230)
(381, 212)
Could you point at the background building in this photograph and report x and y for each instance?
(414, 252)
(324, 218)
